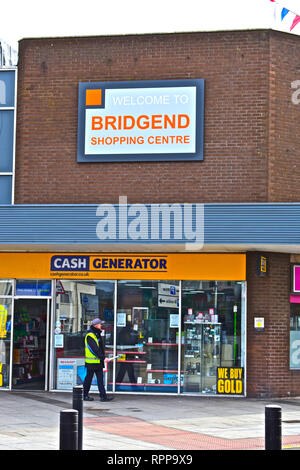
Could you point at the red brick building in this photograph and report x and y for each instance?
(247, 185)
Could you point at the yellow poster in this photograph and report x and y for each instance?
(230, 380)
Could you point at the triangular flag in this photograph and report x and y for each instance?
(295, 22)
(284, 12)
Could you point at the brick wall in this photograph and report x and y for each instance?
(268, 372)
(235, 66)
(284, 153)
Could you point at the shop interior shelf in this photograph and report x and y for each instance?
(138, 362)
(21, 363)
(127, 352)
(25, 380)
(144, 384)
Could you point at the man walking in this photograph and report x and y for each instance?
(94, 361)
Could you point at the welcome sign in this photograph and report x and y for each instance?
(140, 121)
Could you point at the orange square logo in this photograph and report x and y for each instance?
(93, 97)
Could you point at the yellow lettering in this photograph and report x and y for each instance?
(222, 373)
(239, 386)
(220, 386)
(230, 386)
(236, 373)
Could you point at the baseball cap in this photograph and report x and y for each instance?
(96, 321)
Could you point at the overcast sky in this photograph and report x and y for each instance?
(37, 18)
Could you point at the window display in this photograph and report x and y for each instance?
(150, 328)
(212, 331)
(147, 336)
(77, 304)
(29, 344)
(201, 355)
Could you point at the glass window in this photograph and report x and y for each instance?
(5, 189)
(6, 140)
(7, 88)
(295, 333)
(143, 330)
(5, 337)
(77, 304)
(212, 337)
(6, 287)
(147, 336)
(29, 344)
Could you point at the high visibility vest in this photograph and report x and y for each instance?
(90, 357)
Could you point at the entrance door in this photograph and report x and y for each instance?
(29, 344)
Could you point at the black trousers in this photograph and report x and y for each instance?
(123, 368)
(90, 371)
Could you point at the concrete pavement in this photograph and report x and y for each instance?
(30, 421)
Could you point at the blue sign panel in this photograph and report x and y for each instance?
(33, 288)
(140, 121)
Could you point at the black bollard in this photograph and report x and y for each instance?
(272, 427)
(78, 405)
(68, 437)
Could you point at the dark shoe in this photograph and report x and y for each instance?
(87, 398)
(107, 399)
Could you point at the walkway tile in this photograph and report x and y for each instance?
(169, 437)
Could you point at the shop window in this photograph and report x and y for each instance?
(77, 304)
(29, 343)
(147, 336)
(212, 333)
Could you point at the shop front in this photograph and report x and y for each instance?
(174, 323)
(25, 307)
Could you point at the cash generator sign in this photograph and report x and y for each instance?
(108, 263)
(130, 121)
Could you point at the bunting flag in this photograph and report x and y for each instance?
(285, 12)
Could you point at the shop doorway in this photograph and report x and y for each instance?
(30, 344)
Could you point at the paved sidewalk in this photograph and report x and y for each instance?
(30, 421)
